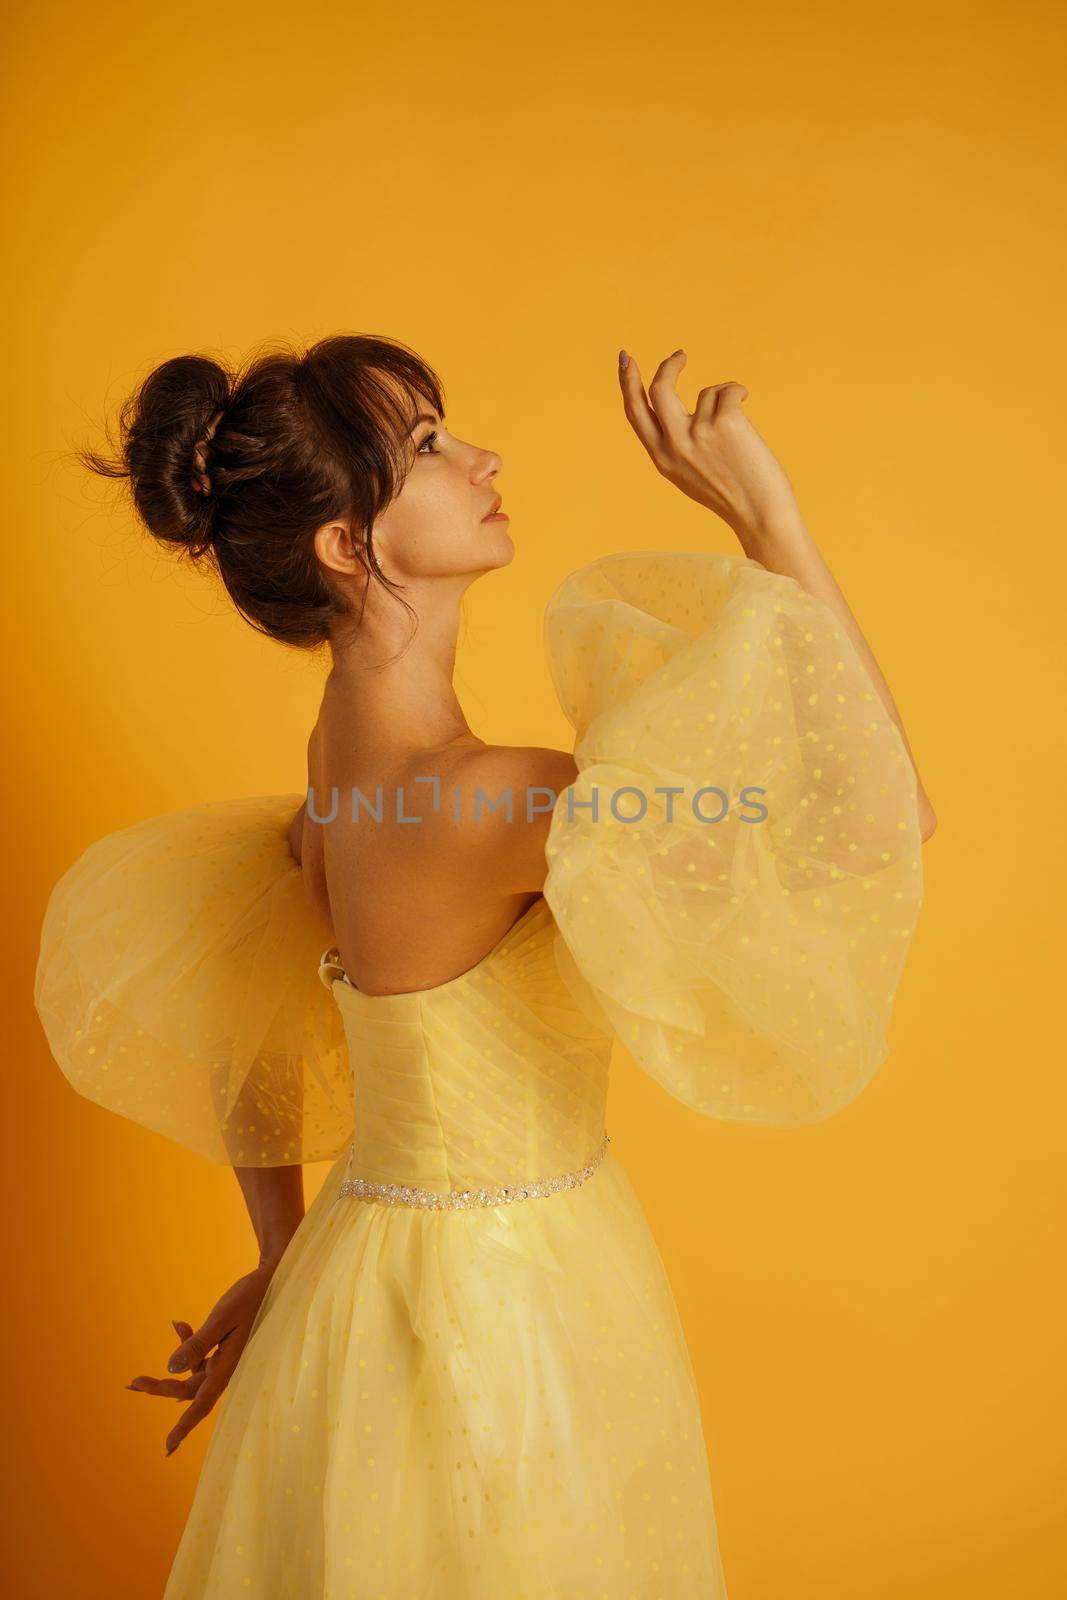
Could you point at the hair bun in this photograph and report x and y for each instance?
(167, 449)
(201, 477)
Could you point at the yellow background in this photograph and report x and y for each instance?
(857, 212)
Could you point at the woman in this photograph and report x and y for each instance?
(462, 1372)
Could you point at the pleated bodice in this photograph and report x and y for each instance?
(493, 1076)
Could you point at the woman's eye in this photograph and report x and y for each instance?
(430, 437)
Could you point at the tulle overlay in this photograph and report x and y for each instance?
(463, 1406)
(749, 965)
(498, 1401)
(177, 986)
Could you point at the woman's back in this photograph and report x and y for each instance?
(410, 858)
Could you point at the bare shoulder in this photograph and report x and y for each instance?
(502, 801)
(498, 768)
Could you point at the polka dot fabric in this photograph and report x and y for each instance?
(745, 935)
(460, 1406)
(176, 984)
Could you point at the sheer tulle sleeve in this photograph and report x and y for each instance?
(178, 985)
(750, 963)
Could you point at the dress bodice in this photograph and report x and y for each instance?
(496, 1075)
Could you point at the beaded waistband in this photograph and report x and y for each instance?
(462, 1199)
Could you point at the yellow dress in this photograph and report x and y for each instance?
(468, 1379)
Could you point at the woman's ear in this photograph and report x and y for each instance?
(336, 548)
(339, 549)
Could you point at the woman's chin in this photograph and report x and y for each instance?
(501, 542)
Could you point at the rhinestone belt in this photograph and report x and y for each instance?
(503, 1194)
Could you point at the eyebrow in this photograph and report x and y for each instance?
(423, 416)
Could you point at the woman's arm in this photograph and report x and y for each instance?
(275, 1195)
(275, 1200)
(788, 548)
(716, 457)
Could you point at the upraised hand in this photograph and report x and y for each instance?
(715, 456)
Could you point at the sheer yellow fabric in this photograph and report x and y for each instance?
(177, 985)
(749, 965)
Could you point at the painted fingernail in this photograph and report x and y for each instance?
(624, 360)
(176, 1363)
(679, 352)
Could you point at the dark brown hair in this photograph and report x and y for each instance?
(242, 467)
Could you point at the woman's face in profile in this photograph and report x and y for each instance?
(436, 525)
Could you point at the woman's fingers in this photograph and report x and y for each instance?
(711, 400)
(169, 1388)
(666, 401)
(640, 414)
(717, 399)
(173, 1388)
(659, 418)
(730, 397)
(196, 1346)
(202, 1403)
(184, 1330)
(211, 1385)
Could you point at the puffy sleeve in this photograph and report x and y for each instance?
(177, 985)
(736, 874)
